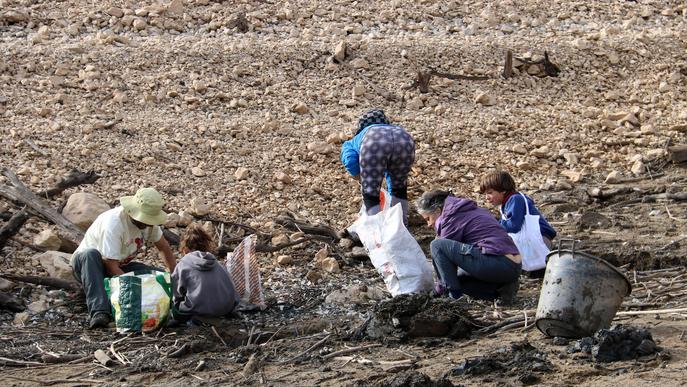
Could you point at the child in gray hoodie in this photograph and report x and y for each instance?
(201, 285)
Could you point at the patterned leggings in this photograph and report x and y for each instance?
(390, 149)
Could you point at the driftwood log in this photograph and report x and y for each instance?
(45, 281)
(18, 193)
(12, 226)
(73, 179)
(307, 227)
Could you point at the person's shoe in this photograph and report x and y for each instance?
(507, 292)
(99, 320)
(439, 290)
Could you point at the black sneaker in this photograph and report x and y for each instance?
(507, 292)
(99, 320)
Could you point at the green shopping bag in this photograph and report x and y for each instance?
(141, 300)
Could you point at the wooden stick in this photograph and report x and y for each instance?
(508, 65)
(350, 350)
(17, 363)
(218, 336)
(312, 348)
(653, 311)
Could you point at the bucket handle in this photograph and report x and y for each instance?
(571, 241)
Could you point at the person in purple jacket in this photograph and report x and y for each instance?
(472, 254)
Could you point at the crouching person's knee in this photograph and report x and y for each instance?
(91, 256)
(438, 248)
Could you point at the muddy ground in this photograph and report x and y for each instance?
(180, 96)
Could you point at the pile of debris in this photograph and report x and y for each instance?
(522, 361)
(619, 343)
(419, 315)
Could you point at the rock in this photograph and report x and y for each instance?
(284, 260)
(574, 176)
(175, 8)
(617, 115)
(593, 220)
(358, 91)
(114, 11)
(313, 276)
(541, 152)
(336, 138)
(14, 16)
(638, 168)
(48, 239)
(360, 63)
(172, 220)
(283, 177)
(139, 24)
(56, 264)
(199, 207)
(38, 306)
(320, 147)
(520, 149)
(280, 239)
(185, 218)
(198, 172)
(300, 108)
(330, 265)
(340, 51)
(631, 118)
(484, 99)
(613, 178)
(663, 87)
(82, 208)
(321, 254)
(241, 173)
(345, 243)
(199, 86)
(6, 284)
(20, 318)
(415, 104)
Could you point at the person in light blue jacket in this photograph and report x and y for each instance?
(380, 150)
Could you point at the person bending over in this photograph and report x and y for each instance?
(472, 253)
(378, 150)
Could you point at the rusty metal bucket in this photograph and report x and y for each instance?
(580, 294)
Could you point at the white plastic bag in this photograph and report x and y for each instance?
(530, 242)
(244, 271)
(394, 252)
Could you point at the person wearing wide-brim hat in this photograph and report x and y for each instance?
(112, 242)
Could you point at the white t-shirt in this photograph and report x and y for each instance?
(116, 237)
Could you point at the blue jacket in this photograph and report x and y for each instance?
(350, 155)
(513, 211)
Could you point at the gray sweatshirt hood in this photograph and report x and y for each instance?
(202, 261)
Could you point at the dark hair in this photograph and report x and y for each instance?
(431, 201)
(500, 181)
(196, 239)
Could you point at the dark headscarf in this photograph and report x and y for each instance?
(374, 116)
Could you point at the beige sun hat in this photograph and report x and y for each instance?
(145, 206)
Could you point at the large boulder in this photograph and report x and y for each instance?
(48, 239)
(56, 264)
(82, 208)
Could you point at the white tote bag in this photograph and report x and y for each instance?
(394, 252)
(529, 241)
